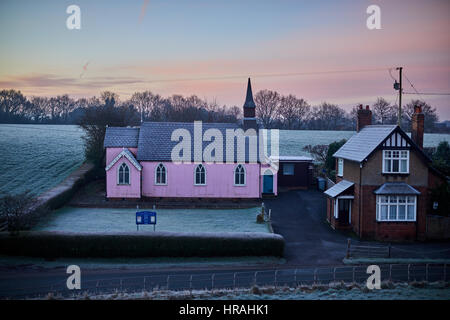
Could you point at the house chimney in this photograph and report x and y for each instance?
(364, 117)
(417, 126)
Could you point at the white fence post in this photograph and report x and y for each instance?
(190, 283)
(212, 282)
(167, 282)
(354, 274)
(409, 266)
(295, 277)
(254, 277)
(276, 280)
(445, 272)
(234, 280)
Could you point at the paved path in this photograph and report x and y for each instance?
(299, 216)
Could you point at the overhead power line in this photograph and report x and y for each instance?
(429, 93)
(267, 75)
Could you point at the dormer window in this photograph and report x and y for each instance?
(340, 167)
(395, 161)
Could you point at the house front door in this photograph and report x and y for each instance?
(268, 183)
(344, 211)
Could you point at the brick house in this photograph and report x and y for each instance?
(383, 181)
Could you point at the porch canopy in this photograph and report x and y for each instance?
(338, 188)
(397, 188)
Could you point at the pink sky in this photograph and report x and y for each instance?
(315, 38)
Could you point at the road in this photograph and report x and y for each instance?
(33, 284)
(299, 216)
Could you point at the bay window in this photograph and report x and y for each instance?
(396, 208)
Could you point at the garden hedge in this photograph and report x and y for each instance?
(159, 244)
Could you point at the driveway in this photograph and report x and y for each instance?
(300, 217)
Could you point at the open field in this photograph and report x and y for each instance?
(174, 220)
(38, 157)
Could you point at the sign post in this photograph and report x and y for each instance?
(146, 217)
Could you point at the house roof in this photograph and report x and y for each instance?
(362, 144)
(292, 158)
(127, 154)
(396, 188)
(121, 137)
(155, 140)
(338, 188)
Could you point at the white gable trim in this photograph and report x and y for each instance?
(127, 154)
(396, 140)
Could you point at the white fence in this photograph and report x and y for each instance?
(212, 281)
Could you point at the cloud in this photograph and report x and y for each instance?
(55, 81)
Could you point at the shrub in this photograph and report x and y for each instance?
(161, 244)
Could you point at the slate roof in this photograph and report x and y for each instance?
(338, 188)
(396, 188)
(121, 137)
(155, 142)
(362, 144)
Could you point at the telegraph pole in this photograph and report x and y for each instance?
(399, 121)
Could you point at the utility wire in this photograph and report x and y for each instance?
(267, 75)
(429, 94)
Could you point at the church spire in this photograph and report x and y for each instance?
(249, 103)
(249, 109)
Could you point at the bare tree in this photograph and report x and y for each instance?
(16, 211)
(430, 113)
(293, 111)
(109, 98)
(328, 116)
(267, 106)
(12, 103)
(383, 111)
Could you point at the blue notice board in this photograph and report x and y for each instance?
(146, 217)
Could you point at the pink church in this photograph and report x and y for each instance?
(139, 162)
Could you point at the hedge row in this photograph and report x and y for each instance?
(158, 244)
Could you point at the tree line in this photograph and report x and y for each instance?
(273, 110)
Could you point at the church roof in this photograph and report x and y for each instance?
(116, 137)
(156, 144)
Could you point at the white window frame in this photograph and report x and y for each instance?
(336, 209)
(156, 175)
(245, 176)
(391, 203)
(118, 175)
(195, 175)
(340, 167)
(391, 158)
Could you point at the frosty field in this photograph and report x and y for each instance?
(38, 157)
(174, 220)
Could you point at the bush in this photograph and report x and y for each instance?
(161, 244)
